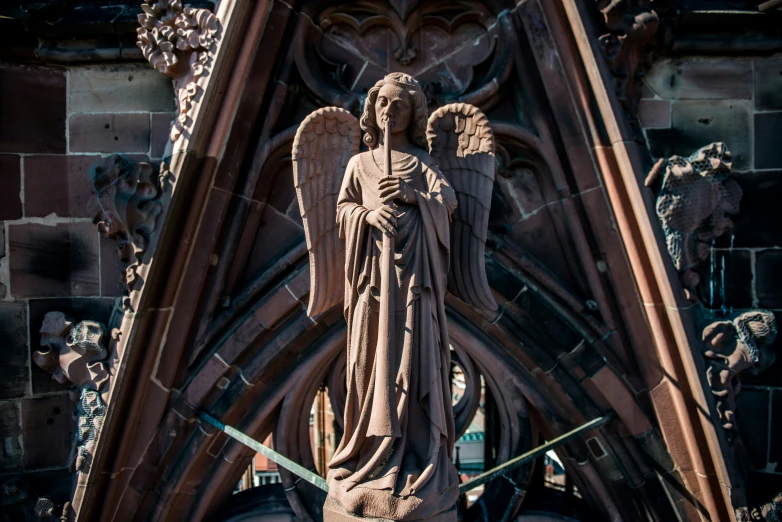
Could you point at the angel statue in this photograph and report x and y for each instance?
(382, 228)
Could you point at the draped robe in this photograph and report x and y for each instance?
(394, 459)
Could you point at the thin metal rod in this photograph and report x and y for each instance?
(277, 458)
(500, 470)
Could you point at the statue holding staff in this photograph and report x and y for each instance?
(383, 227)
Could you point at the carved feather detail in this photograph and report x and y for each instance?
(462, 144)
(324, 143)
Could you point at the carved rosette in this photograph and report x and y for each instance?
(733, 347)
(180, 42)
(693, 205)
(126, 208)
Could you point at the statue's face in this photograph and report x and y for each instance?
(394, 103)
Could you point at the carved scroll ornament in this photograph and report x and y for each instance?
(126, 208)
(742, 345)
(695, 200)
(179, 42)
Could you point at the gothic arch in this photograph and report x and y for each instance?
(219, 322)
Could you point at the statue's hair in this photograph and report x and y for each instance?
(417, 126)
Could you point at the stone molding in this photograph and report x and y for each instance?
(127, 209)
(180, 42)
(693, 205)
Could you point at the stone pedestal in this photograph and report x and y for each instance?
(333, 512)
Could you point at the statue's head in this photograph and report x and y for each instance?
(399, 97)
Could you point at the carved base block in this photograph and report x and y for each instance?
(333, 512)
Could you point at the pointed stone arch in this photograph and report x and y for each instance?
(206, 332)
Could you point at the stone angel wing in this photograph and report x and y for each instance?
(324, 143)
(462, 143)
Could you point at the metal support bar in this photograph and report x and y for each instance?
(537, 452)
(277, 458)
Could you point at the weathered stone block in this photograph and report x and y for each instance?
(11, 432)
(13, 332)
(10, 186)
(112, 270)
(32, 104)
(654, 114)
(109, 132)
(698, 78)
(49, 425)
(59, 260)
(768, 84)
(768, 129)
(57, 185)
(752, 412)
(119, 88)
(762, 192)
(726, 280)
(79, 309)
(160, 127)
(698, 123)
(768, 278)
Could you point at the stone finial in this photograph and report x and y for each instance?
(733, 347)
(180, 42)
(694, 204)
(126, 208)
(73, 353)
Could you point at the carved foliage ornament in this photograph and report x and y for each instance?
(732, 348)
(20, 503)
(179, 42)
(631, 45)
(693, 205)
(127, 207)
(75, 354)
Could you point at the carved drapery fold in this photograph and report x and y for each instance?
(126, 208)
(695, 200)
(180, 42)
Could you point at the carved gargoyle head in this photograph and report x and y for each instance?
(125, 209)
(74, 353)
(732, 348)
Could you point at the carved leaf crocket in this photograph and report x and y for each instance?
(382, 228)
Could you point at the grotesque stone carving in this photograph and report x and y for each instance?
(179, 42)
(693, 206)
(76, 355)
(732, 348)
(400, 211)
(630, 46)
(126, 208)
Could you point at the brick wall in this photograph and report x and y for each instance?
(54, 123)
(693, 101)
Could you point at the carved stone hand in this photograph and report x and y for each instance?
(383, 218)
(396, 188)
